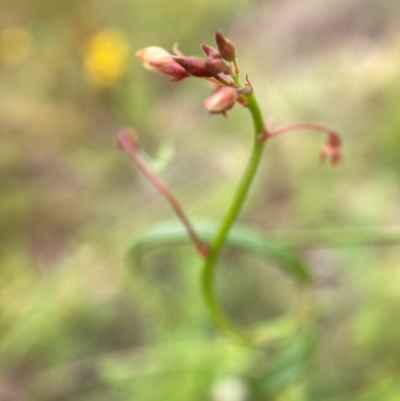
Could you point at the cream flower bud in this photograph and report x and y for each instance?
(149, 54)
(221, 101)
(159, 60)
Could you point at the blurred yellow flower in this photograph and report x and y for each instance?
(106, 57)
(15, 45)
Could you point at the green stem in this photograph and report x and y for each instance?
(208, 269)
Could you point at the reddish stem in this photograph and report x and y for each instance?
(290, 127)
(330, 149)
(127, 141)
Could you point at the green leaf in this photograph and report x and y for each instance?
(290, 363)
(172, 232)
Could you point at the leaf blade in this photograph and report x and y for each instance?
(171, 232)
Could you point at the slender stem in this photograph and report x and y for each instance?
(331, 149)
(208, 269)
(302, 125)
(129, 145)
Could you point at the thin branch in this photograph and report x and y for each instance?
(301, 125)
(331, 148)
(126, 139)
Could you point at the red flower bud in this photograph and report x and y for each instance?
(331, 149)
(217, 65)
(221, 101)
(226, 47)
(194, 66)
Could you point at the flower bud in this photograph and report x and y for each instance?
(159, 60)
(150, 54)
(194, 66)
(331, 149)
(221, 101)
(225, 46)
(216, 65)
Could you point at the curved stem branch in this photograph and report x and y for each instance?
(302, 125)
(331, 149)
(128, 143)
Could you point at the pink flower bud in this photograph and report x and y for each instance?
(159, 60)
(194, 66)
(221, 101)
(331, 149)
(226, 47)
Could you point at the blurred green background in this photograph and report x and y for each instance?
(77, 323)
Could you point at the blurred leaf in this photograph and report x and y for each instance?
(291, 361)
(172, 232)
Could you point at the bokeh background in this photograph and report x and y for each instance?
(77, 322)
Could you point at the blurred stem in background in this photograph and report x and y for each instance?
(338, 237)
